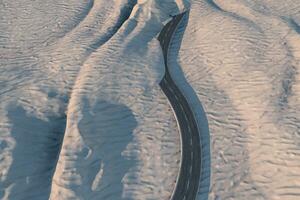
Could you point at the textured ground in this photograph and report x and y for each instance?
(81, 112)
(82, 115)
(242, 60)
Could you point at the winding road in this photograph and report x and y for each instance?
(189, 175)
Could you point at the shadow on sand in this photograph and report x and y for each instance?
(106, 128)
(36, 149)
(198, 110)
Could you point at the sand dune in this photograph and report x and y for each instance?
(82, 115)
(241, 59)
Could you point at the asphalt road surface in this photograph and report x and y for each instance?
(189, 174)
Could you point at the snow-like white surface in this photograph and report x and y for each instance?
(242, 60)
(82, 115)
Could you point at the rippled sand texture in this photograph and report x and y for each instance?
(242, 60)
(82, 115)
(81, 112)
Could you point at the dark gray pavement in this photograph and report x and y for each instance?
(189, 174)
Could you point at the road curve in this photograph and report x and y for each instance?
(189, 174)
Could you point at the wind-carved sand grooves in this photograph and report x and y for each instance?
(90, 44)
(100, 23)
(36, 82)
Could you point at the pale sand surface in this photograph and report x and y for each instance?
(82, 115)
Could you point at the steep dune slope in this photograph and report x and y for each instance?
(82, 115)
(81, 87)
(120, 126)
(242, 60)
